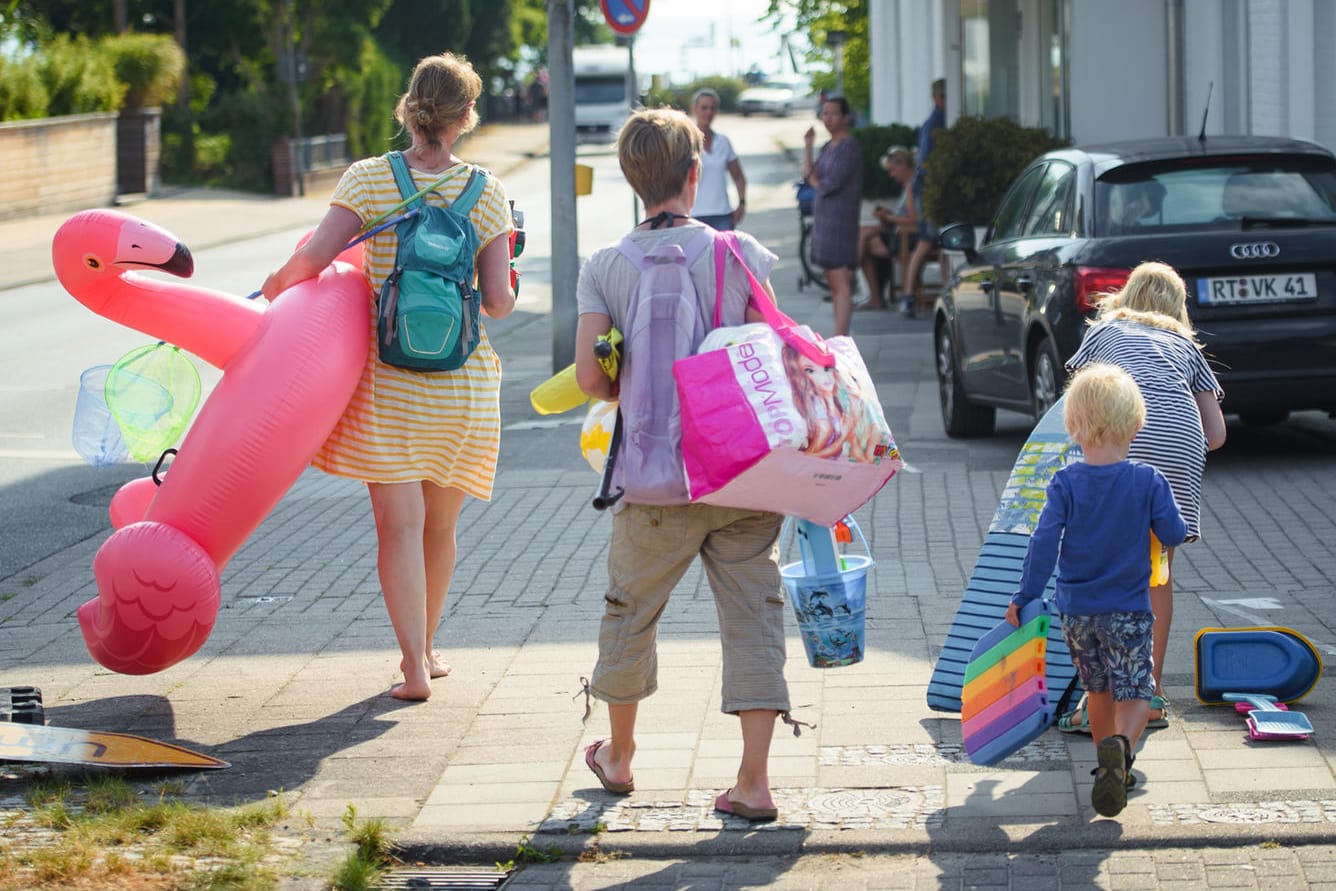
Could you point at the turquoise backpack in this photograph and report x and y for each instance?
(427, 318)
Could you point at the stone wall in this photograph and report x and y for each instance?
(53, 165)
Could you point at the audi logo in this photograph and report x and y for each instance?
(1257, 250)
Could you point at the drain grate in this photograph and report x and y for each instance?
(430, 878)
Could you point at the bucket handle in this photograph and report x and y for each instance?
(788, 534)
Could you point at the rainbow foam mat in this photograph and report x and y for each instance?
(1004, 699)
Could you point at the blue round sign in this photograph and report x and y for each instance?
(625, 16)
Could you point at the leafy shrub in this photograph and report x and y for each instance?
(180, 129)
(973, 162)
(874, 140)
(149, 65)
(372, 89)
(247, 122)
(728, 89)
(78, 79)
(22, 94)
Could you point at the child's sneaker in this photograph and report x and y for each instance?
(1109, 794)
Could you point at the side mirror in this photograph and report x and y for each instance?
(958, 237)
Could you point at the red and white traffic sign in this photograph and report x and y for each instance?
(625, 16)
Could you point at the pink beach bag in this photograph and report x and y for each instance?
(752, 439)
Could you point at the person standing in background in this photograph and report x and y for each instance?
(927, 232)
(836, 172)
(712, 207)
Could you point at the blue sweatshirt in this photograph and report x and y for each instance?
(1096, 527)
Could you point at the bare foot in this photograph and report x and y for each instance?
(419, 692)
(437, 667)
(416, 686)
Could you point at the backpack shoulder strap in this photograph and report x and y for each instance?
(631, 251)
(694, 247)
(471, 192)
(402, 177)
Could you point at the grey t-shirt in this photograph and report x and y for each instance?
(608, 279)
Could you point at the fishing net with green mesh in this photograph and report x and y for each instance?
(152, 393)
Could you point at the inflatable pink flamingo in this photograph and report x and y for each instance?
(289, 370)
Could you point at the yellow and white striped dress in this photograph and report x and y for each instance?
(403, 426)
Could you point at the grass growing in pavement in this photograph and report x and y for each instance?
(107, 835)
(372, 855)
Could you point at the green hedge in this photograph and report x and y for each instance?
(149, 65)
(972, 164)
(78, 76)
(23, 94)
(74, 75)
(874, 140)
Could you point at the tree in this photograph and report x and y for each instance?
(818, 18)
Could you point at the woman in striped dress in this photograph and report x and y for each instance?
(1144, 329)
(421, 441)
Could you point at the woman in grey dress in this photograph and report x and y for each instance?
(837, 175)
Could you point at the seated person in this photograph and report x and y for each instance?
(882, 242)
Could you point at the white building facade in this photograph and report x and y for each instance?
(1104, 70)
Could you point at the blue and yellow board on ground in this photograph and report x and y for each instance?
(1269, 661)
(1004, 700)
(997, 572)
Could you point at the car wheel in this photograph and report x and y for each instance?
(960, 417)
(1047, 377)
(1263, 417)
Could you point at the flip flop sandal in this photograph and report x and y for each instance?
(615, 788)
(1077, 720)
(1160, 704)
(725, 805)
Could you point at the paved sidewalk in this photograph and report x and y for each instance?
(290, 688)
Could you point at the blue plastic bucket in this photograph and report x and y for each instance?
(831, 610)
(96, 435)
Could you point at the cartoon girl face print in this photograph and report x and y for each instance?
(823, 379)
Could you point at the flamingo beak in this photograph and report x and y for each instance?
(143, 245)
(180, 263)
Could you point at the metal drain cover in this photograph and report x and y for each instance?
(429, 878)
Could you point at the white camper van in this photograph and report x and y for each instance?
(603, 92)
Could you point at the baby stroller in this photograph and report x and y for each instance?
(811, 274)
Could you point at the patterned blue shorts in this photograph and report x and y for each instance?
(1112, 652)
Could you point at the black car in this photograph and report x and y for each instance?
(1248, 221)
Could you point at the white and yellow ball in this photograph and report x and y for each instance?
(596, 433)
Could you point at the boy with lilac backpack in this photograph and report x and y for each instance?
(657, 286)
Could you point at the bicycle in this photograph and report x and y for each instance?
(811, 274)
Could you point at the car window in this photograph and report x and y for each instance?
(1051, 212)
(1010, 219)
(1214, 193)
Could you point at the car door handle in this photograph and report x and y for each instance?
(1024, 284)
(986, 285)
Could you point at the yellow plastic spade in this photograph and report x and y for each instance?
(560, 393)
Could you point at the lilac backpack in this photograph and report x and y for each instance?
(664, 323)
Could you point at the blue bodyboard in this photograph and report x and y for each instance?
(997, 572)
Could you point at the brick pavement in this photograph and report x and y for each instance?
(290, 687)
